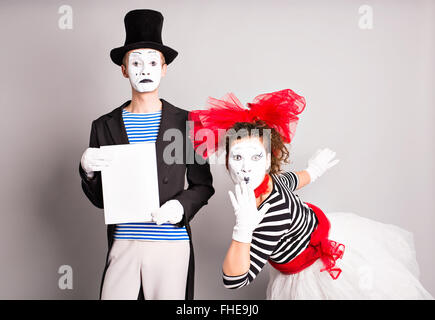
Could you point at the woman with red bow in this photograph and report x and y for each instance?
(314, 255)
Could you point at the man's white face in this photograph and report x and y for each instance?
(144, 69)
(248, 161)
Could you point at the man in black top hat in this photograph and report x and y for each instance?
(140, 265)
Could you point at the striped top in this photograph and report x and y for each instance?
(284, 232)
(143, 128)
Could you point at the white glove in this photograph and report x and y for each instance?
(171, 211)
(247, 215)
(94, 159)
(320, 162)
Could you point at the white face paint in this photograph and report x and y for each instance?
(248, 161)
(144, 69)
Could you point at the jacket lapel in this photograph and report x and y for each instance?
(169, 117)
(116, 126)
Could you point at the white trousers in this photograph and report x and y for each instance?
(161, 267)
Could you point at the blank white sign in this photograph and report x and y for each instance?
(130, 184)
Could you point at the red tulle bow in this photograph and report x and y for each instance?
(330, 251)
(278, 110)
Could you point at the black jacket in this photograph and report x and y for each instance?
(109, 129)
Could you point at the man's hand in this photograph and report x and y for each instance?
(320, 162)
(171, 211)
(247, 215)
(94, 159)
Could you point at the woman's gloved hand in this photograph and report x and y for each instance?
(247, 215)
(320, 162)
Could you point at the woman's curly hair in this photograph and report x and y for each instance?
(274, 145)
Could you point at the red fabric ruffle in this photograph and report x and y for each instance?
(320, 247)
(279, 110)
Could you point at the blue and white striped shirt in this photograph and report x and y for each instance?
(143, 128)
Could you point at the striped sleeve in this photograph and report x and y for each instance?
(234, 282)
(290, 179)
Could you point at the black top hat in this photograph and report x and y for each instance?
(143, 29)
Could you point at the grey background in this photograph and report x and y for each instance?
(369, 97)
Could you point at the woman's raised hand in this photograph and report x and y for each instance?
(247, 215)
(320, 162)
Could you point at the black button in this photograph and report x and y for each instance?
(165, 180)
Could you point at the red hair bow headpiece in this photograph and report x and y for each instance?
(278, 110)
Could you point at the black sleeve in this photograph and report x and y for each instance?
(92, 187)
(200, 186)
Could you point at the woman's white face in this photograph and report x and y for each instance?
(248, 161)
(144, 69)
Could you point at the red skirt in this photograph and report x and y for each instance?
(320, 247)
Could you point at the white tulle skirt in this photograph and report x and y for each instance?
(379, 262)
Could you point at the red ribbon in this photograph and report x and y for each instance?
(262, 188)
(330, 251)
